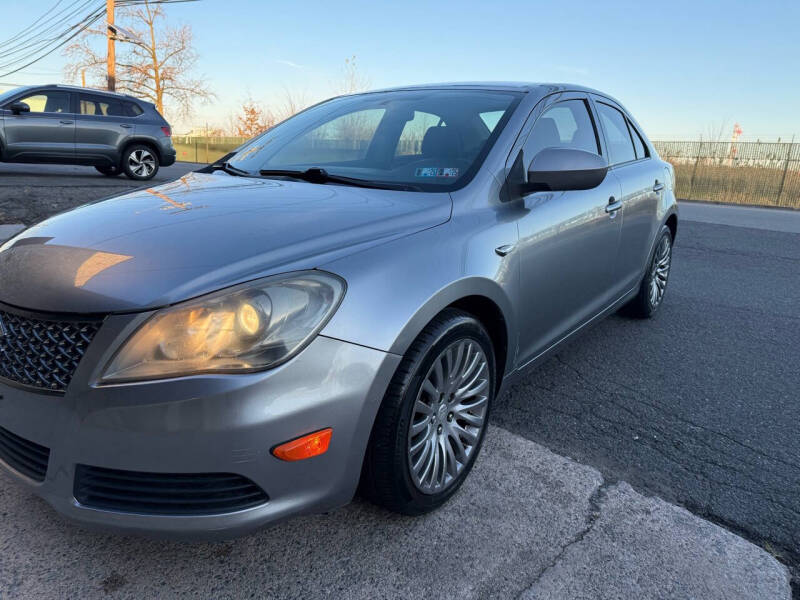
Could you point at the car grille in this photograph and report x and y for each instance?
(165, 493)
(24, 456)
(43, 353)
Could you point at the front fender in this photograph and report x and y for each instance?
(396, 289)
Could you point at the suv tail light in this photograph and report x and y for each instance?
(167, 130)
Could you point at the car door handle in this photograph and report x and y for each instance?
(125, 125)
(658, 186)
(613, 205)
(66, 122)
(504, 249)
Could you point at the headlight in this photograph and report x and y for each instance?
(249, 327)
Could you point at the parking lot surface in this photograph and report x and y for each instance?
(527, 523)
(697, 406)
(30, 193)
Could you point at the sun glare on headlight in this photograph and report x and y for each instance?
(249, 327)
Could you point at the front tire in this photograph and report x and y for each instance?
(432, 421)
(654, 284)
(140, 162)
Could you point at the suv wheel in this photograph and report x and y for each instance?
(654, 285)
(432, 421)
(140, 162)
(112, 171)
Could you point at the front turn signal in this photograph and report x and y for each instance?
(305, 447)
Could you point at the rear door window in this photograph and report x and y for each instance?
(618, 137)
(100, 107)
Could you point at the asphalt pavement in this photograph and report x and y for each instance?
(701, 404)
(30, 193)
(526, 524)
(698, 406)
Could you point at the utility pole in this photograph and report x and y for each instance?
(112, 57)
(83, 77)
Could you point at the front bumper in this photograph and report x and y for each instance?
(207, 424)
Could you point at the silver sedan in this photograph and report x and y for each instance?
(336, 304)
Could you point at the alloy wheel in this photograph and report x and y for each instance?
(142, 162)
(659, 271)
(449, 416)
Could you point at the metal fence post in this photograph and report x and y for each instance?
(694, 170)
(195, 149)
(785, 168)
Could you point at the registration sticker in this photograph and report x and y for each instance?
(436, 172)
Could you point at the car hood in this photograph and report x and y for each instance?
(201, 233)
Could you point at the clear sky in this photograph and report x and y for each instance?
(683, 67)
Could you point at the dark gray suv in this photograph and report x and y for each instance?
(115, 133)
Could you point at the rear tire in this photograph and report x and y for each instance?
(431, 424)
(111, 171)
(651, 292)
(140, 162)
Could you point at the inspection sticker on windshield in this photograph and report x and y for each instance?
(436, 172)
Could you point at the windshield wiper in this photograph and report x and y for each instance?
(231, 170)
(318, 175)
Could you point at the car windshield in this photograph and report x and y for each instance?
(8, 94)
(431, 140)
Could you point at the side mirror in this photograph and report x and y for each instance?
(19, 107)
(561, 169)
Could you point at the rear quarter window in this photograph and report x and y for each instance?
(132, 109)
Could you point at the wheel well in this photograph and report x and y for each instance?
(150, 145)
(672, 223)
(490, 315)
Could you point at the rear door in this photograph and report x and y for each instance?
(103, 125)
(567, 240)
(46, 133)
(641, 179)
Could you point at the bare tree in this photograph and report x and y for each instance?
(291, 103)
(156, 67)
(251, 120)
(352, 81)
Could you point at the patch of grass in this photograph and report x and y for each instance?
(748, 185)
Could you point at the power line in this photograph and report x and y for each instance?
(23, 50)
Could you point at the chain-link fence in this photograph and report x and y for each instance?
(755, 173)
(204, 149)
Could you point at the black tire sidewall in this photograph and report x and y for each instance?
(461, 327)
(665, 232)
(126, 168)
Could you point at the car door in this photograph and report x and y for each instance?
(46, 133)
(567, 240)
(641, 179)
(101, 128)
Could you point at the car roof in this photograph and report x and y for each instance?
(516, 86)
(77, 88)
